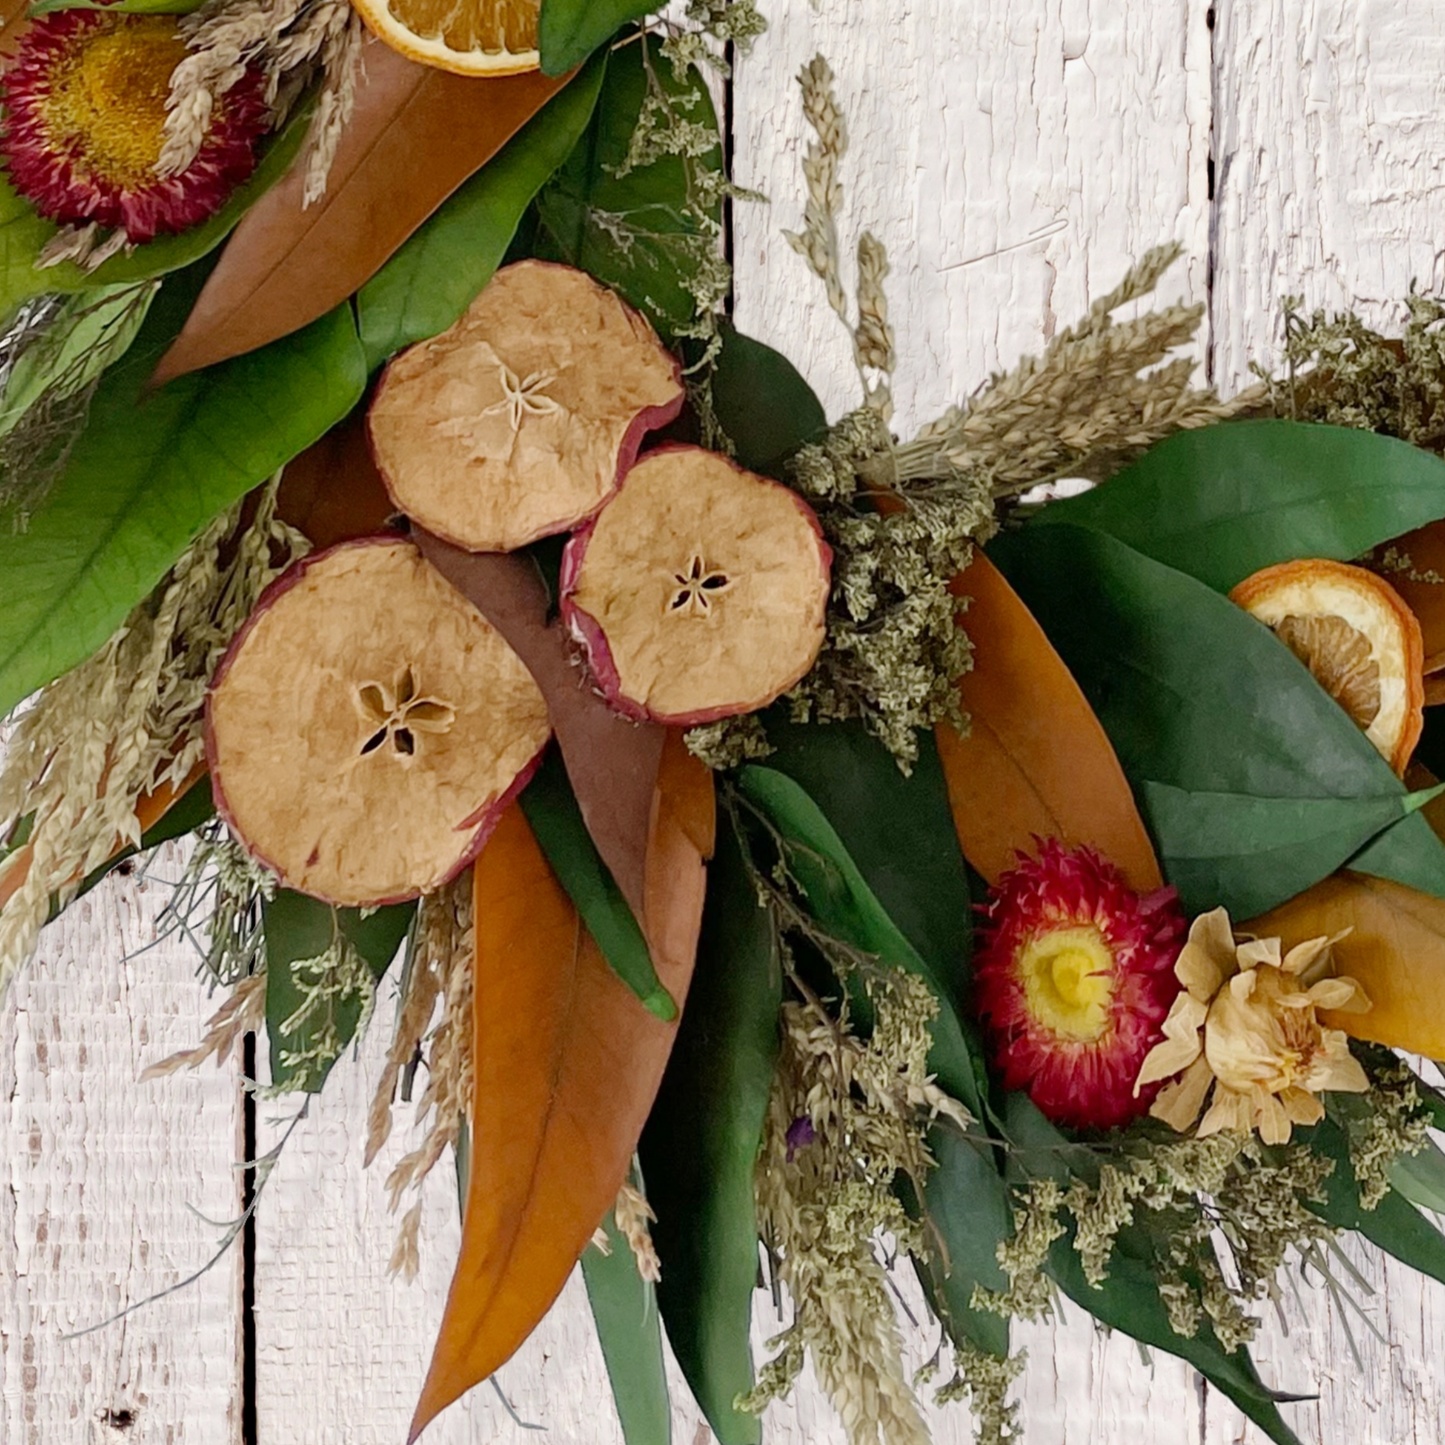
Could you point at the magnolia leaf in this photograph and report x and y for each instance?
(1251, 853)
(1420, 1177)
(149, 471)
(630, 228)
(701, 1145)
(24, 233)
(556, 822)
(119, 7)
(1394, 947)
(1414, 565)
(415, 135)
(566, 1063)
(333, 492)
(612, 762)
(1194, 693)
(1221, 502)
(299, 929)
(568, 31)
(1035, 763)
(762, 402)
(435, 274)
(624, 1309)
(896, 828)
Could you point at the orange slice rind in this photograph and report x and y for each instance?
(1357, 636)
(467, 37)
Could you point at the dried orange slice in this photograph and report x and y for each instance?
(1356, 635)
(699, 590)
(368, 727)
(469, 37)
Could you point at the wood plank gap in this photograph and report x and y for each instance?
(730, 57)
(250, 1432)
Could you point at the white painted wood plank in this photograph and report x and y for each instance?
(103, 1174)
(1331, 162)
(1013, 156)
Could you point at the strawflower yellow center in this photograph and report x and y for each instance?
(108, 99)
(1068, 979)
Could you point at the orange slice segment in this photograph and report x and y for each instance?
(1356, 635)
(469, 37)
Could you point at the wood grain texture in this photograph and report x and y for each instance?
(104, 1175)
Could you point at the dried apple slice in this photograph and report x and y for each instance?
(368, 726)
(521, 419)
(698, 591)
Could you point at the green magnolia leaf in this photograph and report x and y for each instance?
(185, 815)
(299, 929)
(93, 330)
(701, 1144)
(562, 835)
(568, 31)
(632, 231)
(432, 279)
(147, 474)
(897, 829)
(1222, 502)
(624, 1307)
(964, 1197)
(1195, 693)
(24, 233)
(1251, 853)
(763, 403)
(1420, 1178)
(1409, 852)
(119, 7)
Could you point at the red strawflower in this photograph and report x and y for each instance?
(1075, 975)
(84, 116)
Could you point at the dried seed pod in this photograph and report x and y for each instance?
(699, 590)
(521, 419)
(368, 726)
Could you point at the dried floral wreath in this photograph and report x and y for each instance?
(802, 845)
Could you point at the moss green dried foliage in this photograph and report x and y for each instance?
(326, 983)
(1342, 372)
(1395, 1123)
(984, 1381)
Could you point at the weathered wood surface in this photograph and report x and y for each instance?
(1012, 154)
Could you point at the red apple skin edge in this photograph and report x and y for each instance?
(586, 630)
(484, 820)
(650, 418)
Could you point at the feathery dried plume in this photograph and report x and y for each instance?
(244, 1012)
(128, 721)
(439, 967)
(633, 1214)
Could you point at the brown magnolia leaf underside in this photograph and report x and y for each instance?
(1395, 948)
(333, 492)
(567, 1063)
(416, 134)
(150, 808)
(1419, 577)
(1037, 762)
(612, 763)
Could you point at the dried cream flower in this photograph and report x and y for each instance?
(1247, 1024)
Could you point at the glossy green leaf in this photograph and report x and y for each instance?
(624, 1307)
(1252, 853)
(1222, 502)
(568, 31)
(896, 828)
(92, 331)
(1409, 852)
(1420, 1178)
(964, 1198)
(119, 7)
(1193, 692)
(434, 276)
(763, 404)
(298, 928)
(562, 834)
(841, 900)
(147, 474)
(631, 231)
(701, 1145)
(1129, 1298)
(23, 233)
